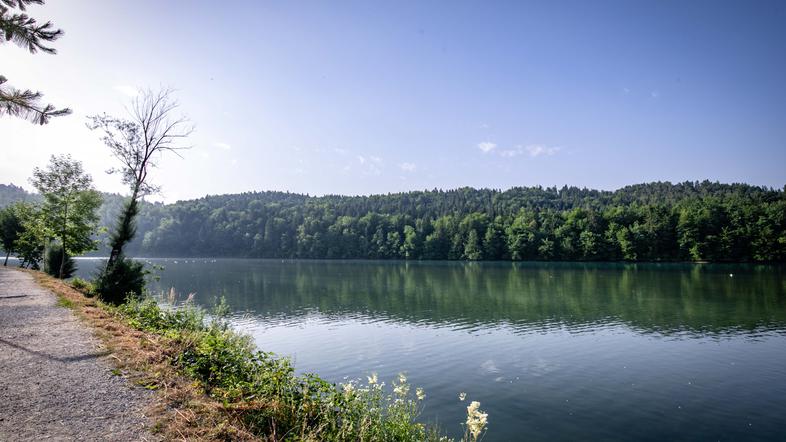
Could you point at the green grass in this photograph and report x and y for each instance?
(63, 302)
(263, 389)
(86, 287)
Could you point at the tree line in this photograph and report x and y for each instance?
(690, 221)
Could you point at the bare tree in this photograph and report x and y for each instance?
(27, 33)
(154, 128)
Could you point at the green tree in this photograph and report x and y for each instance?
(472, 250)
(70, 205)
(17, 27)
(34, 236)
(494, 246)
(411, 245)
(11, 229)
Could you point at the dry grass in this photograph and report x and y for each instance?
(181, 410)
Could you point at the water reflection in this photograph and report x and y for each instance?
(668, 299)
(552, 351)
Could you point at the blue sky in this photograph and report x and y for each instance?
(372, 97)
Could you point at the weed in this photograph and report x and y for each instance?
(64, 302)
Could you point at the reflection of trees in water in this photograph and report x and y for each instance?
(652, 298)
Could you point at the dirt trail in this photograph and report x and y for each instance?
(55, 380)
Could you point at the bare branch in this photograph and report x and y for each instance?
(153, 128)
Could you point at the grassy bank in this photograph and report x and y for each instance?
(214, 385)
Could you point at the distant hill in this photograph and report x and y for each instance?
(661, 221)
(10, 193)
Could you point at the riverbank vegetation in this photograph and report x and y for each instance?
(214, 385)
(691, 221)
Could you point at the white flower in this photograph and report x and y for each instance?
(402, 378)
(372, 379)
(476, 419)
(420, 394)
(401, 390)
(462, 396)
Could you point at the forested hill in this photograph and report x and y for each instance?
(10, 193)
(696, 221)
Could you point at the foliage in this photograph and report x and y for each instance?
(650, 222)
(17, 27)
(70, 204)
(11, 229)
(33, 238)
(266, 393)
(55, 264)
(701, 221)
(83, 285)
(122, 281)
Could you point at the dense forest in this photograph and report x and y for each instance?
(691, 221)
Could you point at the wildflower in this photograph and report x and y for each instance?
(462, 396)
(402, 378)
(372, 379)
(401, 390)
(420, 394)
(476, 419)
(348, 388)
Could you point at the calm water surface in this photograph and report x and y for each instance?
(552, 351)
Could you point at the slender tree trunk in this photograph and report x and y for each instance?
(123, 222)
(63, 241)
(8, 253)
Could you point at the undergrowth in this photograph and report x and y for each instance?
(262, 390)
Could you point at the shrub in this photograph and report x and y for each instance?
(52, 262)
(124, 279)
(83, 285)
(264, 390)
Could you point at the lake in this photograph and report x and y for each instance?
(553, 351)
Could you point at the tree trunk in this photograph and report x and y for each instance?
(63, 241)
(8, 253)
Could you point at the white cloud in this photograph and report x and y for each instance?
(340, 151)
(487, 146)
(370, 165)
(654, 94)
(536, 150)
(126, 90)
(224, 146)
(510, 153)
(484, 126)
(533, 150)
(408, 167)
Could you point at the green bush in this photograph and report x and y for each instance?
(124, 279)
(83, 285)
(52, 262)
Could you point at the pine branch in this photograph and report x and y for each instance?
(25, 32)
(20, 4)
(24, 104)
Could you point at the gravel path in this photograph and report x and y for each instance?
(55, 381)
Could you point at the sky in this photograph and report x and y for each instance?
(377, 97)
